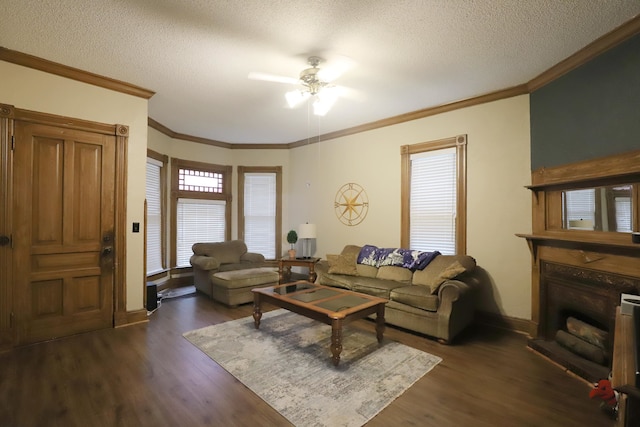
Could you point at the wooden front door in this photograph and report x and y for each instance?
(63, 231)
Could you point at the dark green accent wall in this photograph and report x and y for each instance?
(591, 112)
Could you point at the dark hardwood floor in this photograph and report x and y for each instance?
(149, 375)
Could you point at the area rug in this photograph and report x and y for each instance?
(287, 362)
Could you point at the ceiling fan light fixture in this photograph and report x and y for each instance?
(296, 97)
(324, 101)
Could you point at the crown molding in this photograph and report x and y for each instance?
(50, 67)
(589, 52)
(165, 130)
(414, 115)
(170, 133)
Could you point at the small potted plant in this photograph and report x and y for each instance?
(292, 238)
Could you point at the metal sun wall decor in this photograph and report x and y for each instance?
(351, 204)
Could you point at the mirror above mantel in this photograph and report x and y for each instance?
(606, 208)
(595, 201)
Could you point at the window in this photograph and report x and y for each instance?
(581, 208)
(433, 196)
(260, 209)
(155, 214)
(201, 195)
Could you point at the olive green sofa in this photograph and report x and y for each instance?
(438, 301)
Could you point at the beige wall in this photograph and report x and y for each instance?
(498, 204)
(34, 90)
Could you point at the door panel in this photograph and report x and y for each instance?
(64, 184)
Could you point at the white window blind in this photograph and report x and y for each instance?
(581, 205)
(154, 216)
(198, 220)
(260, 213)
(432, 207)
(623, 214)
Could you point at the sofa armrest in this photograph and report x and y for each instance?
(456, 309)
(204, 262)
(452, 290)
(252, 257)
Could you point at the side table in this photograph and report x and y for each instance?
(285, 264)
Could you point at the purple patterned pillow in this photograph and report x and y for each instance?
(400, 257)
(422, 259)
(367, 255)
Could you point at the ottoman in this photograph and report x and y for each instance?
(234, 287)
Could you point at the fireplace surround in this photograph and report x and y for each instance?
(580, 272)
(585, 294)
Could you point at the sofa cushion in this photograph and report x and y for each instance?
(252, 257)
(415, 296)
(204, 262)
(225, 252)
(245, 278)
(442, 268)
(377, 287)
(238, 266)
(337, 280)
(367, 270)
(399, 274)
(342, 264)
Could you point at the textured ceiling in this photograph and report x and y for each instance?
(406, 55)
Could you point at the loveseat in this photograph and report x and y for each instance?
(226, 271)
(436, 300)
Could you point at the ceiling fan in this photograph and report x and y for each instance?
(316, 83)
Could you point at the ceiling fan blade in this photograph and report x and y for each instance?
(272, 78)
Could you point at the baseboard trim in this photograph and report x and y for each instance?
(131, 318)
(521, 326)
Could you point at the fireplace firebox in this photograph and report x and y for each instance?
(590, 296)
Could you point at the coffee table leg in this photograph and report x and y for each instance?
(257, 312)
(336, 340)
(380, 322)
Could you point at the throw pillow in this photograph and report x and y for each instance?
(341, 264)
(351, 251)
(442, 268)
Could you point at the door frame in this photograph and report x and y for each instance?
(8, 116)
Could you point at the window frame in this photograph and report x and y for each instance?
(460, 144)
(164, 159)
(176, 193)
(277, 170)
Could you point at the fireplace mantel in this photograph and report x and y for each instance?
(579, 271)
(611, 252)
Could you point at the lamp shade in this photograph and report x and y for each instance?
(307, 231)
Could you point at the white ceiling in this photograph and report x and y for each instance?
(407, 55)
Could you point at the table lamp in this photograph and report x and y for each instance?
(306, 231)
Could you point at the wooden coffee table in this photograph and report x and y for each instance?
(332, 306)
